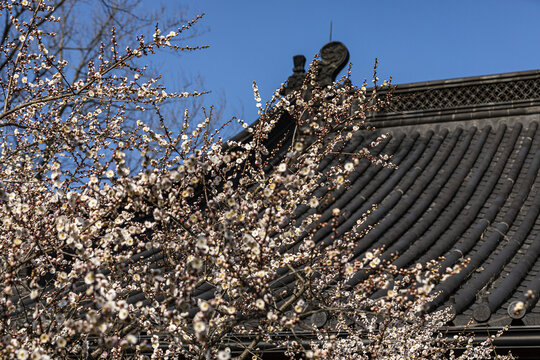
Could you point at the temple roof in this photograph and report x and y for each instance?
(466, 187)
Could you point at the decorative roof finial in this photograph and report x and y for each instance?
(334, 57)
(295, 81)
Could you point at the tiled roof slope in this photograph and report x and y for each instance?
(467, 187)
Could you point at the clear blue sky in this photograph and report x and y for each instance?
(415, 40)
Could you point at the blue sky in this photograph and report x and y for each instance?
(415, 40)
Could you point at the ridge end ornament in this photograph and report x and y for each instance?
(295, 81)
(334, 57)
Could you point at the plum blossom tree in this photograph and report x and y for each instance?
(206, 250)
(81, 28)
